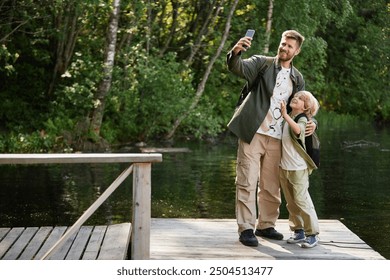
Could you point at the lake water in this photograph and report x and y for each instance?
(352, 185)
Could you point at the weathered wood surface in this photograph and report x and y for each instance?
(116, 242)
(175, 239)
(218, 239)
(79, 158)
(89, 243)
(140, 238)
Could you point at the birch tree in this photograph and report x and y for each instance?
(105, 84)
(269, 25)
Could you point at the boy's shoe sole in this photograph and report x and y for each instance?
(294, 241)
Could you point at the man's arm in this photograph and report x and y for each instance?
(234, 61)
(245, 68)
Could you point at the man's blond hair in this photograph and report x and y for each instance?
(293, 34)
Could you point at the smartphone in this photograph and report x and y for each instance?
(249, 33)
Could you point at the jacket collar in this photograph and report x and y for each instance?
(278, 66)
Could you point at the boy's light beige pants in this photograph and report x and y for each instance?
(302, 214)
(258, 161)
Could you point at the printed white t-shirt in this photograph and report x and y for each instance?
(272, 124)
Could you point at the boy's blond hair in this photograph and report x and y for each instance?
(311, 103)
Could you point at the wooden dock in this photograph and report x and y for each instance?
(181, 239)
(203, 239)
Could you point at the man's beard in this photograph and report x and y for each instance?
(286, 58)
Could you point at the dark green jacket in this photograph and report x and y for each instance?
(250, 114)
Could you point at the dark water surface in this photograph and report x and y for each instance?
(352, 185)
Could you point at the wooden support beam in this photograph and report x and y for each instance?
(140, 238)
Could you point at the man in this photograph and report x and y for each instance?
(257, 122)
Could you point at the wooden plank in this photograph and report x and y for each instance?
(79, 158)
(218, 239)
(3, 232)
(79, 244)
(93, 247)
(62, 251)
(116, 242)
(9, 240)
(55, 234)
(35, 243)
(18, 247)
(140, 237)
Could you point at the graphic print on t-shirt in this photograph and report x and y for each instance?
(272, 124)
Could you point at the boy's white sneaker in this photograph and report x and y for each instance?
(299, 236)
(310, 241)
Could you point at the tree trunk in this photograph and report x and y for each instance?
(66, 22)
(149, 27)
(202, 84)
(105, 84)
(269, 26)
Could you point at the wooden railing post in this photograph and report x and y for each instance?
(141, 218)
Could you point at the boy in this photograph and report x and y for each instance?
(295, 170)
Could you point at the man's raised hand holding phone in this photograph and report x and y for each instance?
(245, 42)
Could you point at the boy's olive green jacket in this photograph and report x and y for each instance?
(301, 149)
(250, 114)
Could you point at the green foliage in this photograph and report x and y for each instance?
(75, 93)
(358, 62)
(311, 62)
(203, 123)
(36, 142)
(158, 91)
(48, 84)
(7, 60)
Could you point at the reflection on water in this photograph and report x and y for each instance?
(351, 185)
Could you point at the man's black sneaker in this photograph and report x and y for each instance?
(270, 233)
(248, 238)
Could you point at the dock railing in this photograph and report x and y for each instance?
(141, 209)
